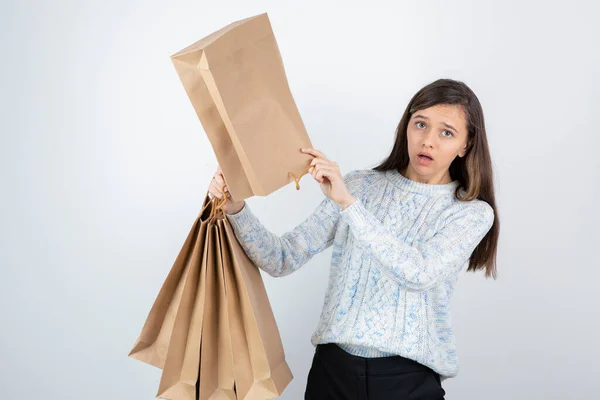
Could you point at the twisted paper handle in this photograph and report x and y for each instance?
(220, 203)
(301, 175)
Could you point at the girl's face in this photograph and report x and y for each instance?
(440, 132)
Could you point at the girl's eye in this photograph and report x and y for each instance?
(419, 125)
(451, 134)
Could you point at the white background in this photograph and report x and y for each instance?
(104, 166)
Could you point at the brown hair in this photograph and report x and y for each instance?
(473, 171)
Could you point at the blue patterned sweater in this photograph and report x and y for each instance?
(397, 253)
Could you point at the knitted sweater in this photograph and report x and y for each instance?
(397, 253)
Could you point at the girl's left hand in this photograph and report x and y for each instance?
(328, 174)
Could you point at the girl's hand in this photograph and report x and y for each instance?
(216, 185)
(328, 174)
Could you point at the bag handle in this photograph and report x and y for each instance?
(301, 175)
(218, 204)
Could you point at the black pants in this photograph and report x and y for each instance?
(338, 375)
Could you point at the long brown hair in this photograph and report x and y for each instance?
(473, 171)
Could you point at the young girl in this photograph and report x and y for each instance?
(401, 233)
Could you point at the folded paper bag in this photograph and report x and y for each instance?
(236, 82)
(211, 328)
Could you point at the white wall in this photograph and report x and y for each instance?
(104, 166)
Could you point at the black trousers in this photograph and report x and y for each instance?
(338, 375)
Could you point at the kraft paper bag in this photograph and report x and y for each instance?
(225, 365)
(261, 342)
(180, 373)
(211, 328)
(236, 82)
(244, 376)
(216, 364)
(153, 342)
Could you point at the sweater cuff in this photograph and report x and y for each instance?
(241, 220)
(355, 215)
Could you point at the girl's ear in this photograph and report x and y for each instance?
(466, 147)
(463, 152)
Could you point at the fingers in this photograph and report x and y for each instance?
(323, 161)
(219, 180)
(323, 171)
(218, 185)
(313, 152)
(317, 163)
(320, 158)
(215, 190)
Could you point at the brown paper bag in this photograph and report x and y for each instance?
(242, 366)
(216, 358)
(225, 364)
(236, 82)
(180, 373)
(211, 327)
(153, 342)
(261, 346)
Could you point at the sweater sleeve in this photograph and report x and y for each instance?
(421, 266)
(281, 255)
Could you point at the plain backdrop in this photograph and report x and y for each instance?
(104, 166)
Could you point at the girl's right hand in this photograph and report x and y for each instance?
(216, 185)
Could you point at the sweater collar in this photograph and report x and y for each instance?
(418, 187)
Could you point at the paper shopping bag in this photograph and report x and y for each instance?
(216, 364)
(242, 366)
(180, 373)
(256, 340)
(153, 342)
(237, 85)
(211, 328)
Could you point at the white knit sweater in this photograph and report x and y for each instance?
(397, 253)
